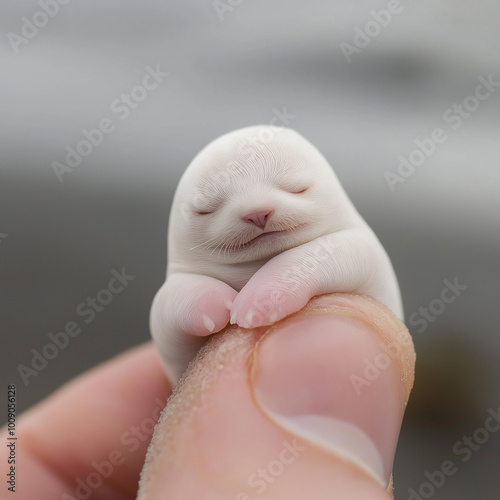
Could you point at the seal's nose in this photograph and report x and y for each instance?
(259, 218)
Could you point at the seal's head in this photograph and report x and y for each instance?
(252, 194)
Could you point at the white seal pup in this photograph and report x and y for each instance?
(259, 225)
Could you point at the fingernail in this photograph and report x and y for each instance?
(209, 324)
(248, 320)
(310, 376)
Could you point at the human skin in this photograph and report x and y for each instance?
(258, 228)
(217, 429)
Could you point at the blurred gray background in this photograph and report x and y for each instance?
(60, 240)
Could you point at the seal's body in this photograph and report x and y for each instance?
(259, 225)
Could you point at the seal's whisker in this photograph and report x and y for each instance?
(205, 244)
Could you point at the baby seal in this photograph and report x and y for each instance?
(259, 225)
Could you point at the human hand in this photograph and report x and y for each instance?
(232, 429)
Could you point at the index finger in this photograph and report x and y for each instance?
(91, 436)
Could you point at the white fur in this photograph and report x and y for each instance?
(215, 275)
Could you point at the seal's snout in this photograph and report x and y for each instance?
(258, 218)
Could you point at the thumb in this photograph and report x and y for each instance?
(311, 406)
